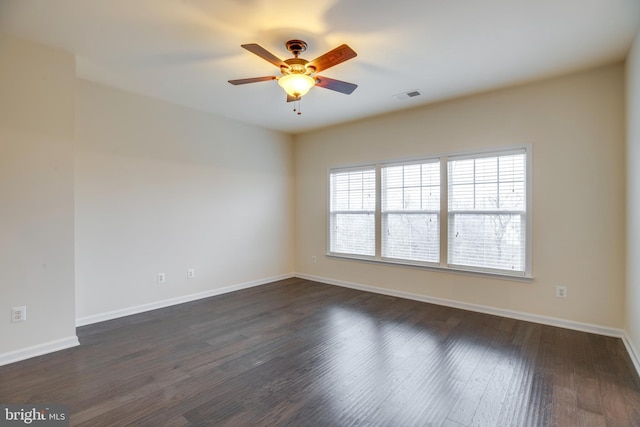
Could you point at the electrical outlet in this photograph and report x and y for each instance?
(19, 314)
(561, 291)
(313, 259)
(161, 278)
(191, 273)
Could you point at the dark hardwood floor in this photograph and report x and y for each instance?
(301, 353)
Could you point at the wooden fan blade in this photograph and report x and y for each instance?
(251, 80)
(337, 85)
(264, 54)
(333, 57)
(293, 98)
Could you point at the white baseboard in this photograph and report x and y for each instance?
(633, 352)
(38, 350)
(87, 320)
(551, 321)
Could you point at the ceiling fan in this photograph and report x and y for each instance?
(298, 73)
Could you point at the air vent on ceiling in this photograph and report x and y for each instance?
(406, 95)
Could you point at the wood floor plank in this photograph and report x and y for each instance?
(297, 352)
(565, 407)
(589, 419)
(588, 394)
(525, 342)
(613, 401)
(464, 412)
(500, 384)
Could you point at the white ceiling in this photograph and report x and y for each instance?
(184, 51)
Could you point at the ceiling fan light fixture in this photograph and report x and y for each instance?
(296, 79)
(296, 85)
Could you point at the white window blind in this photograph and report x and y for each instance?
(487, 212)
(410, 212)
(466, 212)
(352, 212)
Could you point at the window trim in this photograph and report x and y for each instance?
(443, 214)
(330, 213)
(379, 192)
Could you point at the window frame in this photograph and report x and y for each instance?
(443, 215)
(493, 211)
(331, 213)
(389, 212)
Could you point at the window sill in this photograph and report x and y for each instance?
(440, 269)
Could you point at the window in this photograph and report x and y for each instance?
(487, 212)
(400, 213)
(352, 212)
(410, 212)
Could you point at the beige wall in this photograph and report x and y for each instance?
(633, 196)
(36, 193)
(163, 188)
(576, 127)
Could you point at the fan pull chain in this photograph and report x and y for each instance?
(298, 106)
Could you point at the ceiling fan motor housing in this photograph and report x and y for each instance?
(297, 66)
(296, 47)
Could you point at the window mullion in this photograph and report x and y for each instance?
(529, 210)
(475, 186)
(378, 215)
(498, 185)
(444, 216)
